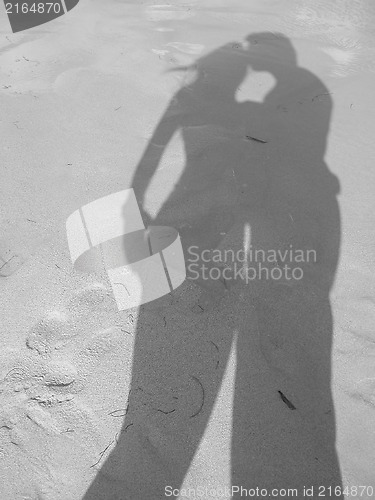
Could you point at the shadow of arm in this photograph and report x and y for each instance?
(148, 164)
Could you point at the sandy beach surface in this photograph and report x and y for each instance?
(242, 124)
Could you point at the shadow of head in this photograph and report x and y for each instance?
(267, 50)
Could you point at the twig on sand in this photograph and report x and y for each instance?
(125, 331)
(125, 410)
(166, 412)
(203, 397)
(217, 362)
(122, 284)
(30, 60)
(114, 413)
(256, 139)
(289, 404)
(31, 220)
(213, 343)
(102, 453)
(319, 95)
(127, 427)
(7, 261)
(18, 369)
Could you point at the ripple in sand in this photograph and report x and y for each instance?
(364, 391)
(358, 318)
(49, 332)
(187, 48)
(167, 13)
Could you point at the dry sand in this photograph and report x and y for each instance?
(221, 395)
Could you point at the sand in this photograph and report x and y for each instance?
(249, 123)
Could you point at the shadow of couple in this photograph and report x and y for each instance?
(254, 178)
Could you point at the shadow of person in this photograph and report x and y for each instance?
(254, 181)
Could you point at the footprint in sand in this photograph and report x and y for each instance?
(364, 391)
(10, 261)
(45, 388)
(42, 398)
(60, 373)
